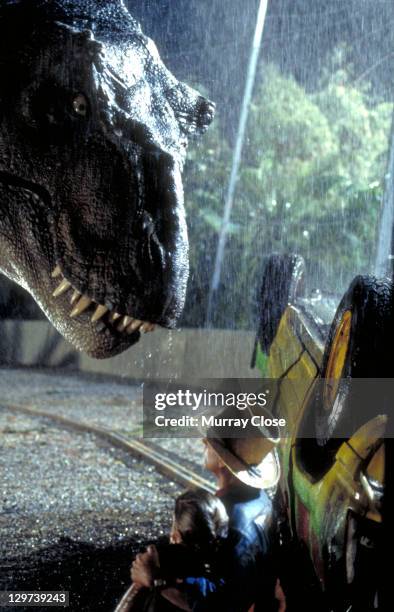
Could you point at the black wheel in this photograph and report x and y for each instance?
(359, 346)
(283, 281)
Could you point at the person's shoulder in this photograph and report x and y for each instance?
(251, 506)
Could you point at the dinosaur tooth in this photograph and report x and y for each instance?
(126, 320)
(99, 312)
(81, 306)
(75, 296)
(62, 288)
(56, 272)
(134, 326)
(114, 316)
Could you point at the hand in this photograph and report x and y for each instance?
(145, 567)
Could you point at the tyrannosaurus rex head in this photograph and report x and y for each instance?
(93, 134)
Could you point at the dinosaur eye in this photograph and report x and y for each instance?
(80, 105)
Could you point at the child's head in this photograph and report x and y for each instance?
(200, 520)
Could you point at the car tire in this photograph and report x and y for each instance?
(283, 281)
(359, 345)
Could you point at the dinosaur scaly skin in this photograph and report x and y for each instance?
(93, 134)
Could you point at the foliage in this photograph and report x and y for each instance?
(311, 182)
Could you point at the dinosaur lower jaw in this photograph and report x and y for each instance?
(100, 315)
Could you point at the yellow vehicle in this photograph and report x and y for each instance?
(333, 460)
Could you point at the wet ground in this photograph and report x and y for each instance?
(74, 510)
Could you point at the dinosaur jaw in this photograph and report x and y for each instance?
(101, 330)
(79, 320)
(104, 320)
(90, 327)
(103, 316)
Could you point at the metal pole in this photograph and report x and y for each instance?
(250, 79)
